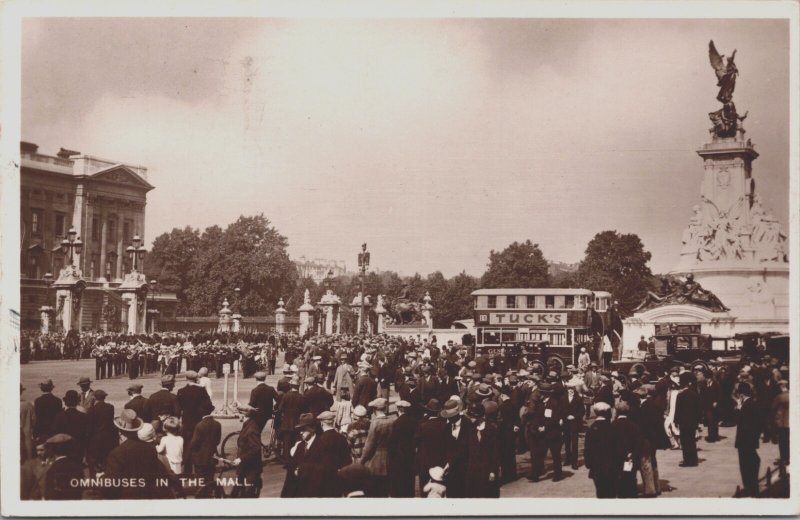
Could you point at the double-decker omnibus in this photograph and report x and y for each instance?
(521, 320)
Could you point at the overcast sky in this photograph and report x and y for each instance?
(432, 140)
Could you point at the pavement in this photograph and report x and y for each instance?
(716, 476)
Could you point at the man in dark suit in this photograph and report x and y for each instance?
(164, 403)
(138, 403)
(46, 407)
(457, 448)
(651, 424)
(401, 453)
(546, 419)
(573, 423)
(73, 423)
(104, 436)
(331, 452)
(135, 460)
(262, 398)
(292, 404)
(709, 399)
(598, 456)
(483, 465)
(626, 451)
(366, 389)
(317, 398)
(448, 386)
(248, 462)
(748, 430)
(430, 442)
(687, 417)
(302, 473)
(60, 476)
(190, 399)
(206, 438)
(87, 394)
(507, 428)
(428, 384)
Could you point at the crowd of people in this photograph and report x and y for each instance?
(388, 417)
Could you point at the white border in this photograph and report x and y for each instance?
(14, 10)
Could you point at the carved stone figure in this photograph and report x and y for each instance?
(403, 311)
(726, 120)
(687, 292)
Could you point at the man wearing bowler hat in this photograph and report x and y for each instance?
(46, 407)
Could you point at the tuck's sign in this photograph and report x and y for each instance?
(542, 319)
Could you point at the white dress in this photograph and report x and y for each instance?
(172, 447)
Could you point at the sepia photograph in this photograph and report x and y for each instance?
(277, 255)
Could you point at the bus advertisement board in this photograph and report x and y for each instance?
(529, 318)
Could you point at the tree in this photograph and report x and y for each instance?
(519, 265)
(436, 284)
(170, 262)
(457, 301)
(618, 264)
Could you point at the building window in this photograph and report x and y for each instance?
(33, 271)
(59, 225)
(36, 221)
(549, 302)
(111, 232)
(569, 301)
(95, 228)
(530, 302)
(511, 302)
(492, 302)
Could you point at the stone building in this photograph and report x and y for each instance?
(104, 201)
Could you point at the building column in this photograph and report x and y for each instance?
(103, 245)
(119, 242)
(77, 221)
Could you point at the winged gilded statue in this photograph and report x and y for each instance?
(726, 72)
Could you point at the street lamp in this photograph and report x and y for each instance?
(72, 245)
(136, 251)
(363, 264)
(329, 280)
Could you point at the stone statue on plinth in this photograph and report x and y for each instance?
(726, 120)
(688, 292)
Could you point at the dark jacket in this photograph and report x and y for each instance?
(331, 452)
(318, 400)
(292, 404)
(376, 448)
(546, 419)
(263, 397)
(598, 456)
(401, 445)
(191, 399)
(141, 405)
(104, 436)
(57, 485)
(75, 424)
(431, 440)
(748, 426)
(687, 409)
(46, 406)
(627, 443)
(164, 402)
(458, 457)
(366, 389)
(482, 475)
(428, 387)
(137, 460)
(651, 424)
(207, 435)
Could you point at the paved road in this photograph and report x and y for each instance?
(716, 476)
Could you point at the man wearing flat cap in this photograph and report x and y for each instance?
(164, 403)
(139, 403)
(376, 448)
(598, 455)
(401, 453)
(366, 389)
(248, 461)
(263, 398)
(60, 476)
(317, 398)
(334, 453)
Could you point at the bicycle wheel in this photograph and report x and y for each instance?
(268, 439)
(229, 449)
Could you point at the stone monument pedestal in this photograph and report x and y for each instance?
(134, 292)
(69, 291)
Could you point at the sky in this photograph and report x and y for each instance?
(432, 140)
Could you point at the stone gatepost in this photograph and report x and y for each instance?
(225, 317)
(427, 309)
(280, 317)
(305, 311)
(134, 291)
(380, 310)
(44, 312)
(69, 291)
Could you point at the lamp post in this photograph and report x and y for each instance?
(363, 264)
(72, 245)
(136, 251)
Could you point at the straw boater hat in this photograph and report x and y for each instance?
(191, 375)
(128, 421)
(146, 433)
(451, 409)
(483, 390)
(379, 403)
(360, 411)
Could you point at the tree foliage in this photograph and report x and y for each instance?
(616, 263)
(521, 265)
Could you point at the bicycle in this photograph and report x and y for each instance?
(270, 444)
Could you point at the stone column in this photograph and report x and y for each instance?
(77, 221)
(67, 316)
(380, 310)
(305, 311)
(338, 320)
(427, 308)
(45, 311)
(120, 245)
(224, 317)
(103, 245)
(329, 320)
(132, 318)
(280, 317)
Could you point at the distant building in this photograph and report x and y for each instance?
(559, 268)
(105, 202)
(317, 269)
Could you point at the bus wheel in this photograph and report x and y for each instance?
(537, 367)
(556, 363)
